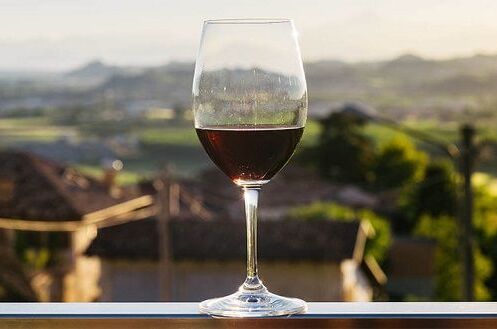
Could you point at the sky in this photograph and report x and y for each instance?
(55, 35)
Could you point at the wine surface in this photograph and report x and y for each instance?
(249, 154)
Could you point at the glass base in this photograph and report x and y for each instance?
(252, 303)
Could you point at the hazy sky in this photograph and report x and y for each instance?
(61, 34)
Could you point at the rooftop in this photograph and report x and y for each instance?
(34, 188)
(288, 240)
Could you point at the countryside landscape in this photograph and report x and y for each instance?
(143, 115)
(376, 149)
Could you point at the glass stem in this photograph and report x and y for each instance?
(251, 196)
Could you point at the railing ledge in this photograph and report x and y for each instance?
(186, 315)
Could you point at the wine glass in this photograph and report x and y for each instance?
(250, 109)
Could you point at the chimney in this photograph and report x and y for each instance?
(111, 169)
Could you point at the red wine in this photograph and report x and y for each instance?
(249, 154)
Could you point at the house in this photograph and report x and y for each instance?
(193, 259)
(185, 249)
(55, 208)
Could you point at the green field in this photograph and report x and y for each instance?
(179, 148)
(125, 177)
(32, 129)
(184, 136)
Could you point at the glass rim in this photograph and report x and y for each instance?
(248, 21)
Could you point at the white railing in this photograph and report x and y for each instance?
(185, 315)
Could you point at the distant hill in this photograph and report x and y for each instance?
(96, 72)
(409, 82)
(171, 84)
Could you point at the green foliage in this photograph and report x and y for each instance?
(171, 135)
(36, 259)
(444, 231)
(485, 219)
(435, 194)
(485, 210)
(39, 250)
(377, 246)
(398, 164)
(125, 177)
(342, 152)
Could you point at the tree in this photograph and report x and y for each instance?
(343, 153)
(377, 246)
(398, 164)
(434, 195)
(448, 269)
(485, 220)
(440, 181)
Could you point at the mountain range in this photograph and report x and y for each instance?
(408, 81)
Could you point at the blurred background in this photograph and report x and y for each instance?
(107, 195)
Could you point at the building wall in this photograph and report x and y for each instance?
(130, 281)
(195, 281)
(310, 281)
